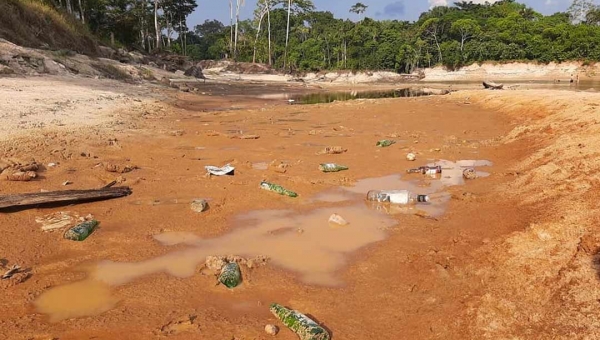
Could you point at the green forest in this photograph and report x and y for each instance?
(295, 36)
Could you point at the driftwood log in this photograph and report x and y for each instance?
(72, 196)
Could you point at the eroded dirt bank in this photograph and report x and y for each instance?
(509, 258)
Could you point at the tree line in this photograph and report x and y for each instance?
(295, 36)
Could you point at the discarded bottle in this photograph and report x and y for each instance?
(426, 170)
(277, 188)
(231, 276)
(81, 231)
(332, 167)
(385, 143)
(396, 196)
(306, 328)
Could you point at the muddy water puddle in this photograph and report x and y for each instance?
(83, 298)
(303, 242)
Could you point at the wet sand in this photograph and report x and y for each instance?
(386, 275)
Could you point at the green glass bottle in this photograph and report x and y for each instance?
(231, 276)
(306, 328)
(385, 143)
(81, 231)
(332, 167)
(277, 188)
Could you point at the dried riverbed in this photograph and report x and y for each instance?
(388, 274)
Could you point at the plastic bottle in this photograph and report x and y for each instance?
(277, 188)
(81, 231)
(385, 143)
(305, 327)
(332, 167)
(231, 276)
(396, 196)
(426, 170)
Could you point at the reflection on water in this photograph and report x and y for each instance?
(329, 97)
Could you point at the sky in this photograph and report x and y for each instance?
(377, 9)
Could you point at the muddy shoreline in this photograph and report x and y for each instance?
(433, 278)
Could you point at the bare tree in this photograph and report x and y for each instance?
(156, 25)
(239, 3)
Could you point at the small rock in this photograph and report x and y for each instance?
(271, 329)
(469, 173)
(65, 183)
(199, 205)
(411, 157)
(51, 165)
(215, 262)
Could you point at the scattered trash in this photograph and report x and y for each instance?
(11, 271)
(117, 168)
(426, 170)
(337, 219)
(81, 231)
(246, 137)
(70, 196)
(271, 329)
(277, 188)
(59, 220)
(21, 176)
(176, 133)
(332, 150)
(33, 166)
(411, 157)
(226, 170)
(182, 324)
(231, 276)
(199, 205)
(469, 173)
(306, 328)
(396, 196)
(65, 183)
(385, 143)
(332, 167)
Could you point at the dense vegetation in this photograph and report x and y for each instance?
(294, 35)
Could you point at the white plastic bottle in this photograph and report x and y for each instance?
(396, 197)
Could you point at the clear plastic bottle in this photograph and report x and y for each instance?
(396, 197)
(426, 170)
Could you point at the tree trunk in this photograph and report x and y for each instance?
(287, 33)
(81, 12)
(438, 47)
(156, 26)
(262, 15)
(269, 22)
(231, 28)
(69, 6)
(112, 39)
(237, 20)
(169, 18)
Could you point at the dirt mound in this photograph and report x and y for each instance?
(543, 281)
(33, 24)
(233, 67)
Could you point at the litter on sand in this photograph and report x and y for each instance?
(222, 171)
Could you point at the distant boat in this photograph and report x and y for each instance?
(492, 86)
